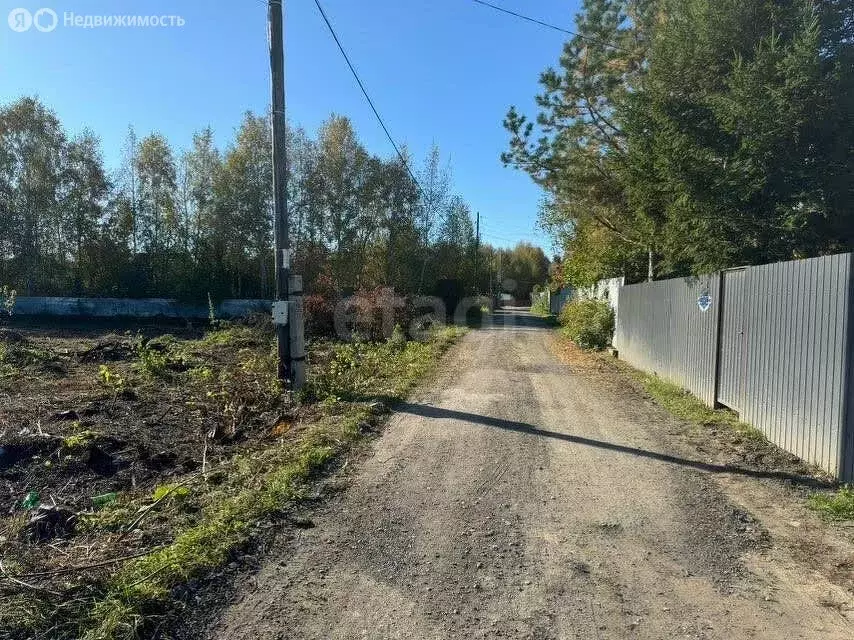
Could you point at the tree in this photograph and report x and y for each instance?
(203, 163)
(733, 125)
(698, 134)
(84, 192)
(157, 221)
(435, 181)
(580, 158)
(31, 149)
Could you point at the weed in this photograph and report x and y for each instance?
(171, 491)
(150, 362)
(228, 504)
(683, 404)
(78, 440)
(835, 506)
(200, 374)
(113, 381)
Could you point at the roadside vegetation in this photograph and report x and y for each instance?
(140, 462)
(588, 323)
(680, 137)
(540, 306)
(838, 505)
(682, 404)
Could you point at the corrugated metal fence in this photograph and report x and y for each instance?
(771, 342)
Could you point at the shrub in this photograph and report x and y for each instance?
(540, 307)
(588, 323)
(374, 313)
(319, 314)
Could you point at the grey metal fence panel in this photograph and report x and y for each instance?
(795, 356)
(560, 298)
(779, 349)
(662, 329)
(732, 365)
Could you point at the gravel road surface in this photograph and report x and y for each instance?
(523, 497)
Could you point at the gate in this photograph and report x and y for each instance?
(732, 367)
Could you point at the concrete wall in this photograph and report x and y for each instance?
(133, 308)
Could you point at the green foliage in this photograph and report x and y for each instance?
(712, 135)
(151, 363)
(170, 491)
(838, 505)
(540, 307)
(354, 370)
(78, 440)
(588, 323)
(110, 379)
(254, 486)
(683, 404)
(181, 224)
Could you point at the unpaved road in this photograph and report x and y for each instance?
(522, 497)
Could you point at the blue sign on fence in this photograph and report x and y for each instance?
(704, 302)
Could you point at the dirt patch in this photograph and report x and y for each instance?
(90, 417)
(769, 485)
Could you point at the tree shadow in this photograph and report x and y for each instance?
(426, 411)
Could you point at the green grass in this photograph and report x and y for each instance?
(682, 404)
(838, 505)
(231, 500)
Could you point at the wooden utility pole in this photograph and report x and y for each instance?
(287, 309)
(477, 257)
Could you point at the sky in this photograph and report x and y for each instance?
(439, 71)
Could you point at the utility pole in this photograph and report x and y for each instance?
(477, 257)
(287, 309)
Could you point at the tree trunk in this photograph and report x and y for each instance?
(650, 272)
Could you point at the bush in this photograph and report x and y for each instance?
(588, 323)
(319, 313)
(374, 313)
(540, 306)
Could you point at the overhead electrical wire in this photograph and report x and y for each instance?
(367, 96)
(549, 25)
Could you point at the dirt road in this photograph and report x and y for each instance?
(523, 497)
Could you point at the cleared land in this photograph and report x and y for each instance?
(134, 464)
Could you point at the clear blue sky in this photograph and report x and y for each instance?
(442, 71)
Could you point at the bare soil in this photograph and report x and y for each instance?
(68, 439)
(535, 492)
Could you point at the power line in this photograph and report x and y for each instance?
(549, 25)
(367, 97)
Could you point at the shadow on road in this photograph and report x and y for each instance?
(519, 318)
(427, 411)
